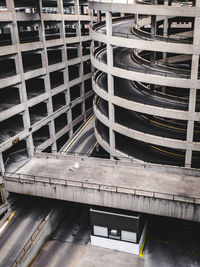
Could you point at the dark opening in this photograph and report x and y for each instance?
(9, 97)
(76, 111)
(58, 101)
(38, 112)
(72, 50)
(11, 127)
(60, 122)
(75, 92)
(56, 79)
(35, 87)
(7, 67)
(5, 35)
(41, 135)
(73, 71)
(28, 31)
(62, 140)
(54, 55)
(31, 60)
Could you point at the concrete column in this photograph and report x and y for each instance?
(60, 7)
(165, 34)
(30, 146)
(136, 19)
(47, 78)
(165, 27)
(110, 81)
(81, 70)
(19, 66)
(153, 34)
(2, 168)
(76, 6)
(193, 91)
(20, 93)
(99, 18)
(108, 23)
(65, 71)
(91, 17)
(153, 26)
(69, 112)
(69, 115)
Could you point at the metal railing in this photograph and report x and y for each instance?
(30, 241)
(33, 179)
(134, 129)
(148, 98)
(142, 2)
(141, 68)
(11, 157)
(146, 63)
(180, 38)
(138, 33)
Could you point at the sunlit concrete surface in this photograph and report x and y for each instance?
(83, 142)
(167, 191)
(127, 176)
(78, 256)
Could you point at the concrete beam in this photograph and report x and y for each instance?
(160, 10)
(127, 201)
(145, 137)
(143, 108)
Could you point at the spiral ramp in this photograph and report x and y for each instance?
(147, 81)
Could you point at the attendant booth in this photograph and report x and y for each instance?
(117, 229)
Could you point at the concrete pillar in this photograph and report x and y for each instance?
(2, 168)
(76, 6)
(110, 81)
(165, 34)
(81, 70)
(30, 146)
(65, 71)
(193, 91)
(47, 78)
(153, 35)
(91, 17)
(19, 67)
(99, 18)
(153, 26)
(136, 19)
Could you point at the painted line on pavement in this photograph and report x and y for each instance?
(6, 223)
(142, 247)
(77, 135)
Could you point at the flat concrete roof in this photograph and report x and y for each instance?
(102, 172)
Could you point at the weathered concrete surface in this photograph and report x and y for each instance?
(113, 184)
(70, 245)
(39, 237)
(18, 231)
(78, 255)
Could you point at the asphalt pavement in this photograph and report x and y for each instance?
(27, 215)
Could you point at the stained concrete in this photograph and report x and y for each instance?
(70, 246)
(111, 184)
(99, 172)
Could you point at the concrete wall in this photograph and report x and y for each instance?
(147, 204)
(16, 48)
(109, 36)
